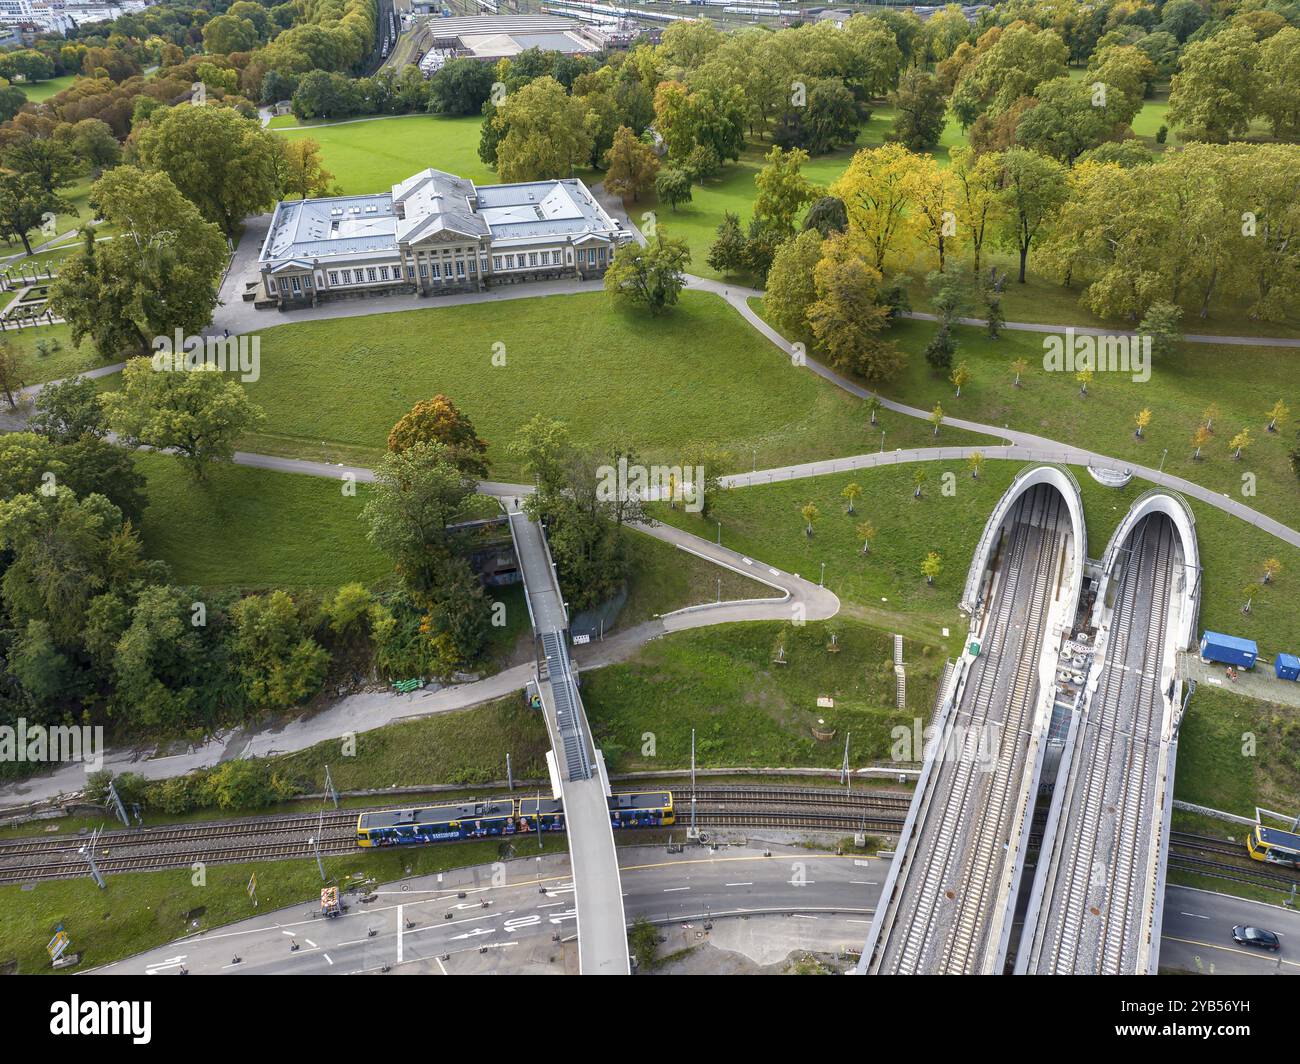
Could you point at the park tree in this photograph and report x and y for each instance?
(877, 190)
(936, 417)
(1020, 59)
(25, 205)
(782, 189)
(1216, 89)
(850, 493)
(1018, 367)
(727, 253)
(300, 170)
(976, 462)
(931, 567)
(936, 194)
(158, 275)
(543, 132)
(921, 110)
(279, 664)
(14, 367)
(791, 282)
(439, 420)
(847, 317)
(197, 413)
(810, 514)
(93, 143)
(673, 186)
(65, 551)
(1033, 188)
(652, 276)
(460, 87)
(1072, 116)
(827, 116)
(1200, 438)
(1239, 444)
(419, 491)
(827, 215)
(866, 532)
(960, 376)
(978, 179)
(1278, 70)
(919, 477)
(1161, 324)
(69, 409)
(630, 166)
(1141, 420)
(50, 162)
(219, 160)
(1277, 415)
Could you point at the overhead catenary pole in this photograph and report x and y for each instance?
(329, 788)
(88, 852)
(694, 831)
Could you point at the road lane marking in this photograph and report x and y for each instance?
(327, 957)
(1195, 916)
(671, 890)
(401, 924)
(1230, 949)
(738, 884)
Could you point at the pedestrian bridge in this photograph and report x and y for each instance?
(576, 765)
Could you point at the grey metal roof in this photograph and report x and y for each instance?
(342, 228)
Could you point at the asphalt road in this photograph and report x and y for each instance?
(528, 902)
(1197, 934)
(518, 924)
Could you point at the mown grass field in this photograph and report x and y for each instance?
(36, 91)
(748, 710)
(887, 587)
(699, 375)
(253, 528)
(1243, 381)
(1237, 753)
(373, 155)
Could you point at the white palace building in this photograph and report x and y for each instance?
(433, 233)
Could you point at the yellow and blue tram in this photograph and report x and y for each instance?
(502, 816)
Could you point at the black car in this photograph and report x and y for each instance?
(1257, 937)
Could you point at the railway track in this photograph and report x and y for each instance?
(962, 855)
(1113, 786)
(285, 837)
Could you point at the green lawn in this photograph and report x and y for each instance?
(37, 91)
(372, 156)
(1219, 765)
(253, 528)
(746, 709)
(1244, 381)
(333, 389)
(665, 578)
(887, 588)
(68, 361)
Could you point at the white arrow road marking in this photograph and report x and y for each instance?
(475, 931)
(568, 914)
(158, 966)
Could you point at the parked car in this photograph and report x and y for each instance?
(1257, 937)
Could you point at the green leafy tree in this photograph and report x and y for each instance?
(652, 276)
(197, 413)
(222, 162)
(158, 275)
(630, 165)
(921, 110)
(673, 186)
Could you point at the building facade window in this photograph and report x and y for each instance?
(532, 258)
(460, 267)
(496, 262)
(347, 276)
(334, 276)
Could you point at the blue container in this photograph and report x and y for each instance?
(1287, 667)
(1229, 649)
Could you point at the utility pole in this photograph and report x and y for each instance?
(694, 833)
(314, 842)
(88, 852)
(115, 804)
(846, 777)
(510, 778)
